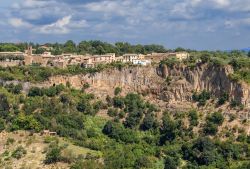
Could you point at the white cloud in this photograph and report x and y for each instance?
(222, 3)
(237, 23)
(58, 27)
(19, 23)
(61, 26)
(32, 4)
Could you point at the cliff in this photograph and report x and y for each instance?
(175, 84)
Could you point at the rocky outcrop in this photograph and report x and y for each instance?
(175, 84)
(204, 77)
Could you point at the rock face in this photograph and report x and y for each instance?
(175, 84)
(204, 77)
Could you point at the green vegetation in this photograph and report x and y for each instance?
(19, 152)
(36, 73)
(132, 138)
(237, 59)
(118, 90)
(202, 97)
(213, 121)
(53, 154)
(86, 47)
(223, 98)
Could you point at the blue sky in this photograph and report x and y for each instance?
(195, 24)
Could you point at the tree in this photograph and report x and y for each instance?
(216, 118)
(168, 130)
(171, 163)
(149, 122)
(248, 54)
(118, 102)
(2, 125)
(4, 106)
(35, 91)
(203, 152)
(223, 98)
(69, 47)
(193, 118)
(85, 107)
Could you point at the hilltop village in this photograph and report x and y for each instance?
(65, 59)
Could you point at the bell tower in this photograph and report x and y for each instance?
(29, 51)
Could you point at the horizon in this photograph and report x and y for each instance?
(194, 24)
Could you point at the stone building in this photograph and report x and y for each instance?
(131, 57)
(180, 55)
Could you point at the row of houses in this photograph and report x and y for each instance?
(63, 60)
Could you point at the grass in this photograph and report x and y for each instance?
(77, 150)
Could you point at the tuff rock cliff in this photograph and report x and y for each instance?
(175, 84)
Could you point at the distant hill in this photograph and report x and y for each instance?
(246, 49)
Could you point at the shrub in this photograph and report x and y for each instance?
(210, 128)
(118, 102)
(171, 163)
(216, 118)
(223, 98)
(202, 97)
(118, 132)
(35, 91)
(193, 118)
(149, 122)
(10, 141)
(112, 112)
(4, 106)
(19, 152)
(2, 124)
(86, 86)
(53, 154)
(235, 103)
(117, 91)
(213, 121)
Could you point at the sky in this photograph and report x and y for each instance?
(194, 24)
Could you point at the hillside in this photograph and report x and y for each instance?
(173, 114)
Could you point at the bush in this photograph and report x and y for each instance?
(119, 133)
(171, 163)
(2, 124)
(193, 118)
(85, 107)
(4, 106)
(149, 122)
(19, 152)
(210, 128)
(10, 141)
(223, 98)
(15, 89)
(53, 154)
(235, 103)
(118, 102)
(117, 91)
(202, 97)
(213, 121)
(35, 91)
(112, 112)
(216, 118)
